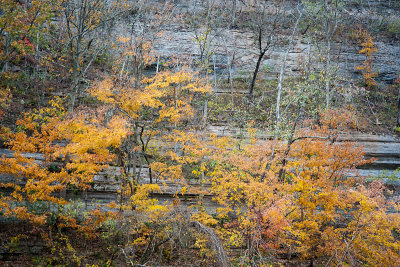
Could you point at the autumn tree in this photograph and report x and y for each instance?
(20, 25)
(135, 47)
(304, 205)
(290, 195)
(71, 164)
(368, 49)
(137, 128)
(85, 26)
(23, 25)
(322, 21)
(161, 103)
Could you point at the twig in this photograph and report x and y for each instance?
(123, 252)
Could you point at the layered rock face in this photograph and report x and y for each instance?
(384, 149)
(223, 34)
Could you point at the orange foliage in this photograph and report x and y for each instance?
(5, 98)
(21, 22)
(368, 49)
(274, 197)
(314, 209)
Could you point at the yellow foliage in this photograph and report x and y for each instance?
(85, 153)
(204, 218)
(368, 49)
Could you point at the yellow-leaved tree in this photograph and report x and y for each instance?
(71, 149)
(162, 143)
(157, 113)
(368, 49)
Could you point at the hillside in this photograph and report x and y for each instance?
(199, 133)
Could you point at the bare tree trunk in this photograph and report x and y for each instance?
(327, 83)
(123, 67)
(158, 64)
(74, 88)
(233, 18)
(264, 28)
(282, 72)
(398, 108)
(6, 52)
(229, 66)
(215, 74)
(329, 35)
(205, 114)
(253, 81)
(222, 257)
(230, 77)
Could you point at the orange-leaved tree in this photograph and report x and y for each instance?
(134, 129)
(301, 201)
(368, 49)
(5, 99)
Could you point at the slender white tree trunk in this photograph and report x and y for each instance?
(282, 72)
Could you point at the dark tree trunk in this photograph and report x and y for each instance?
(398, 111)
(253, 82)
(398, 107)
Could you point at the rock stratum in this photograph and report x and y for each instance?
(205, 34)
(384, 149)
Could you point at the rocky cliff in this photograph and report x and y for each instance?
(205, 31)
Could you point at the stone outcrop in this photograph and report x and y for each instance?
(385, 150)
(238, 45)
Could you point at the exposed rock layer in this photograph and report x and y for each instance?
(385, 149)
